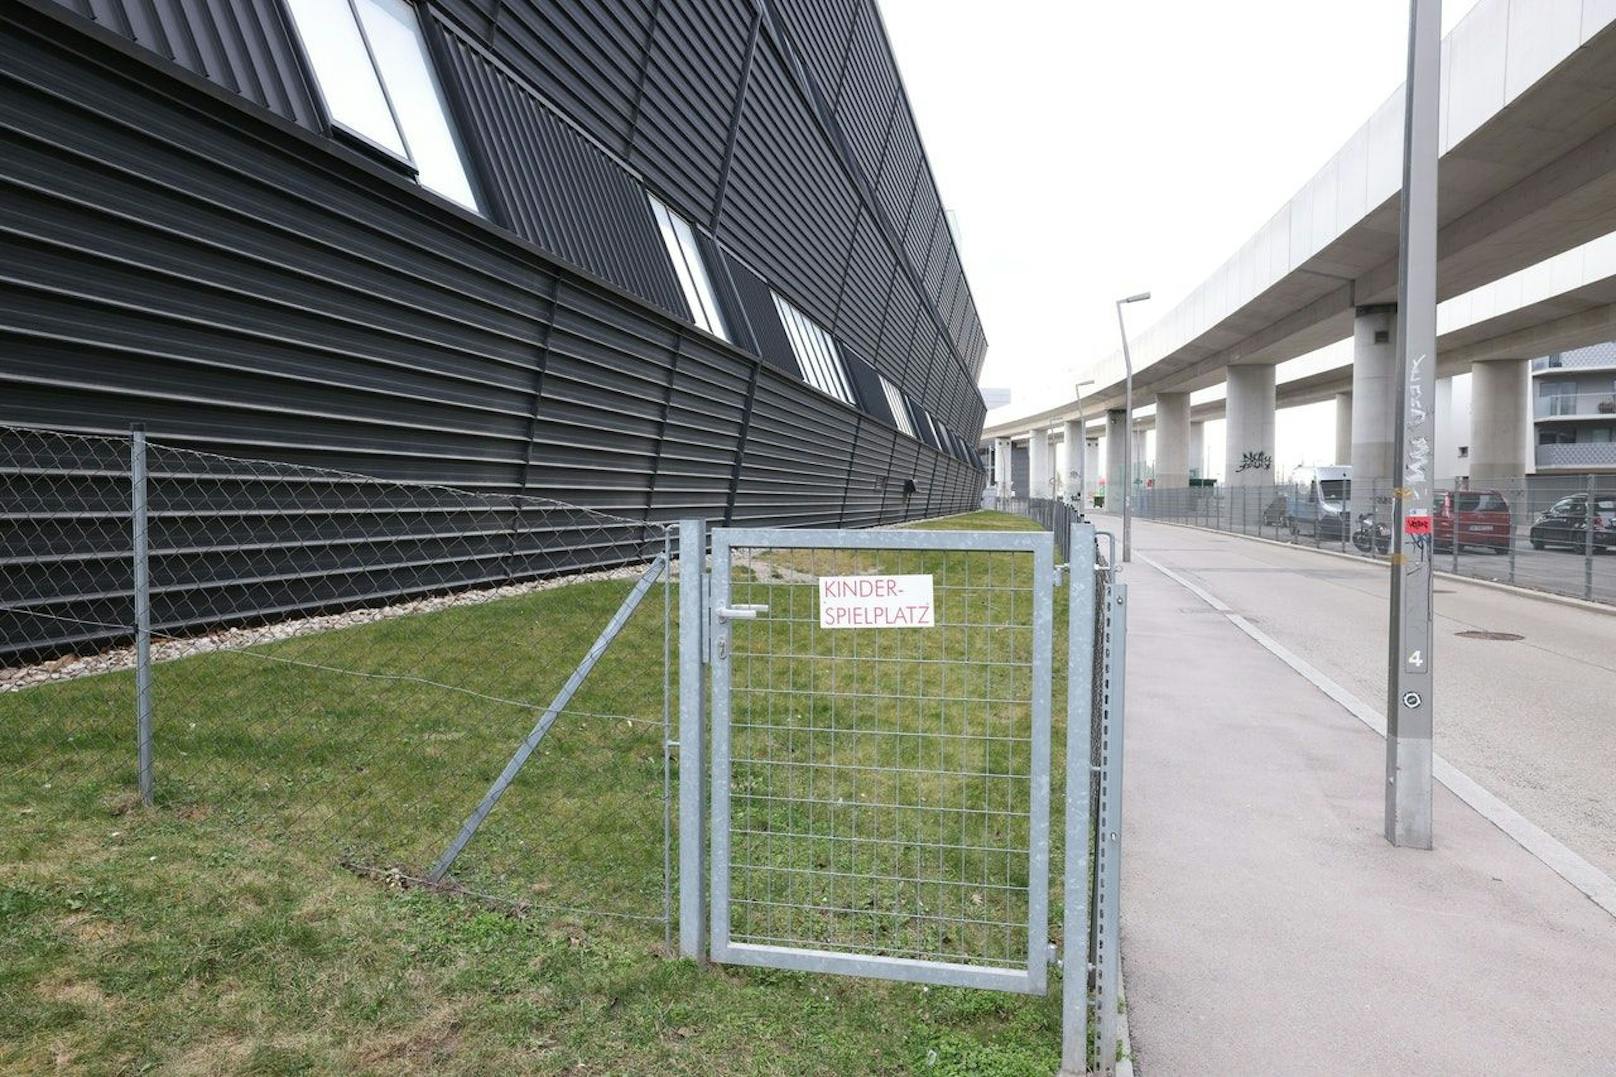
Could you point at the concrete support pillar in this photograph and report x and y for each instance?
(1075, 475)
(1343, 428)
(1139, 459)
(1500, 391)
(1249, 441)
(1001, 467)
(1374, 408)
(1116, 444)
(1198, 450)
(1038, 463)
(1172, 440)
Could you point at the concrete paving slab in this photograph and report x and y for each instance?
(1269, 928)
(1533, 720)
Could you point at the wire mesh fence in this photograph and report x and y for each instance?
(1540, 535)
(342, 663)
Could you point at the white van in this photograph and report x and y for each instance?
(1318, 501)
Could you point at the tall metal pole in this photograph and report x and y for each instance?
(1127, 440)
(1410, 701)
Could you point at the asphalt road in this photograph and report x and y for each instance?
(1533, 720)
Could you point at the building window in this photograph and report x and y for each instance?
(900, 414)
(816, 353)
(370, 60)
(689, 268)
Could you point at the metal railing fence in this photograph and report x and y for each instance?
(1532, 535)
(430, 684)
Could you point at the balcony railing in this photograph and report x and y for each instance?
(1561, 405)
(1578, 455)
(1580, 359)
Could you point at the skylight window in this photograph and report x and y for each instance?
(900, 414)
(816, 352)
(680, 240)
(375, 75)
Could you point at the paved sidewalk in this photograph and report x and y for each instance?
(1267, 926)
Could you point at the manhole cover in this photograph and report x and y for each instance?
(1477, 633)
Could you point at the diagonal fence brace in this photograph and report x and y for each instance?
(547, 719)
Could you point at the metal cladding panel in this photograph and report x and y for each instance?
(867, 385)
(896, 183)
(586, 56)
(906, 459)
(866, 480)
(557, 189)
(868, 96)
(1020, 470)
(788, 208)
(241, 45)
(797, 457)
(704, 423)
(867, 280)
(692, 76)
(763, 318)
(175, 258)
(821, 29)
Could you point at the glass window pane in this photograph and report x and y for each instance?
(698, 275)
(401, 56)
(347, 80)
(681, 270)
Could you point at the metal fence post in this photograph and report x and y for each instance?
(1079, 700)
(1108, 842)
(692, 743)
(1518, 501)
(143, 699)
(1589, 515)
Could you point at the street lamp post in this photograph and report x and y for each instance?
(1127, 434)
(1082, 447)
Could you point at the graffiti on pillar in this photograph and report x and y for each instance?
(1255, 460)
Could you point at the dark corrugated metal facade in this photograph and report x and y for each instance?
(187, 245)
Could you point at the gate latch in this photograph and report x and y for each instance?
(743, 611)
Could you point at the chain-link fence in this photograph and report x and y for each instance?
(434, 685)
(1540, 535)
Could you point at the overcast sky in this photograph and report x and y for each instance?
(1095, 149)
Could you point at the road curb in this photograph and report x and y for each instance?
(1522, 590)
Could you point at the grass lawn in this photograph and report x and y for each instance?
(216, 933)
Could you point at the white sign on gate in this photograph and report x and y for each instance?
(876, 602)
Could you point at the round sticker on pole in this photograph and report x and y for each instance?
(1417, 524)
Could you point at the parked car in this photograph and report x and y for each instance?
(1565, 523)
(1482, 518)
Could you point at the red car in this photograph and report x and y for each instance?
(1482, 516)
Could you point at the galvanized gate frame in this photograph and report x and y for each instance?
(1033, 977)
(1090, 910)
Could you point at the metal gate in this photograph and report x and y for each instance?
(881, 760)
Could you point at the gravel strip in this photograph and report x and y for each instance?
(71, 667)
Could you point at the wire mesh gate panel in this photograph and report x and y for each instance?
(881, 794)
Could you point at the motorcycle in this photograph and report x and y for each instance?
(1371, 535)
